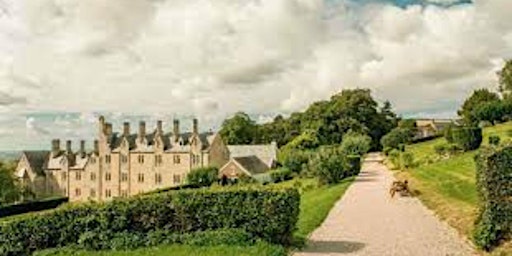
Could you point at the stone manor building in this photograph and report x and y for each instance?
(121, 164)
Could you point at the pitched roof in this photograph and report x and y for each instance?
(37, 160)
(115, 141)
(252, 164)
(266, 153)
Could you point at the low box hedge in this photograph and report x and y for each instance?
(494, 184)
(266, 213)
(34, 206)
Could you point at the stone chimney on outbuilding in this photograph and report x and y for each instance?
(82, 149)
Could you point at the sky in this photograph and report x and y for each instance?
(65, 62)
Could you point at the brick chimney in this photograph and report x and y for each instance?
(195, 126)
(142, 130)
(55, 147)
(126, 128)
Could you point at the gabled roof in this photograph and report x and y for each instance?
(251, 164)
(206, 138)
(37, 160)
(266, 153)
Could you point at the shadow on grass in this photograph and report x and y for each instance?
(333, 247)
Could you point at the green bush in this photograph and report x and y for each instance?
(494, 140)
(203, 177)
(354, 164)
(394, 158)
(494, 186)
(265, 213)
(356, 144)
(387, 150)
(468, 138)
(396, 137)
(407, 160)
(293, 159)
(281, 175)
(448, 133)
(329, 165)
(440, 149)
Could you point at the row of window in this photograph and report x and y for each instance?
(124, 177)
(158, 159)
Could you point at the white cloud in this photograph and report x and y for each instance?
(211, 58)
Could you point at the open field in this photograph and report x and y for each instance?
(448, 186)
(316, 203)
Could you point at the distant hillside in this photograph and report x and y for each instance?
(9, 155)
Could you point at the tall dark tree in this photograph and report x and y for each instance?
(239, 129)
(476, 99)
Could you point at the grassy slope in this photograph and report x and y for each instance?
(448, 186)
(316, 203)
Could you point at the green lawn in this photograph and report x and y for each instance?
(316, 202)
(448, 186)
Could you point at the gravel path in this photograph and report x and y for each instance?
(366, 221)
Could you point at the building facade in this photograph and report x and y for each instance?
(121, 164)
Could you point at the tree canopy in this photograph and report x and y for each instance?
(9, 191)
(328, 121)
(478, 98)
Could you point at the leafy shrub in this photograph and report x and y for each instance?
(468, 138)
(396, 137)
(294, 160)
(353, 164)
(453, 149)
(329, 165)
(494, 140)
(386, 150)
(281, 175)
(203, 177)
(394, 158)
(356, 144)
(495, 191)
(440, 149)
(265, 213)
(509, 132)
(407, 160)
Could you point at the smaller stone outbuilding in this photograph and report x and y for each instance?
(249, 160)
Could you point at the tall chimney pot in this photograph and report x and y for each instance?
(176, 130)
(82, 148)
(159, 126)
(96, 147)
(55, 147)
(126, 128)
(142, 130)
(195, 126)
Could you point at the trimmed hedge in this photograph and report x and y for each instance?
(280, 175)
(494, 183)
(34, 206)
(265, 213)
(468, 138)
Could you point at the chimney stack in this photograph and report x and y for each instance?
(68, 147)
(96, 147)
(126, 128)
(108, 129)
(195, 128)
(176, 130)
(142, 130)
(101, 121)
(82, 148)
(159, 127)
(55, 147)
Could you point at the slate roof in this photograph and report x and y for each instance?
(266, 153)
(37, 160)
(252, 164)
(115, 141)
